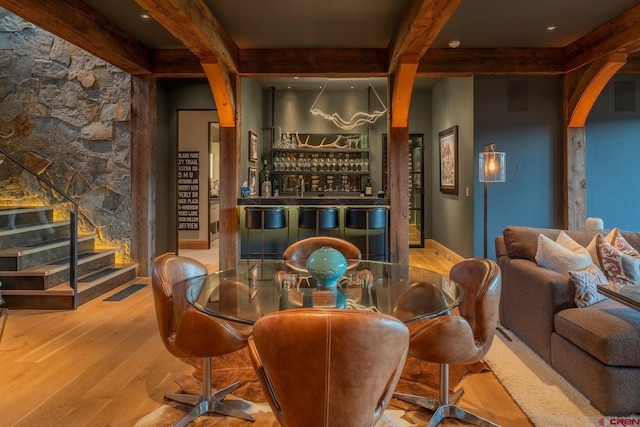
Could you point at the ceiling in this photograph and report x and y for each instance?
(277, 40)
(369, 24)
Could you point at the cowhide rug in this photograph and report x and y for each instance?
(418, 377)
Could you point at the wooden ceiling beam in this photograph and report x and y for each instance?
(621, 34)
(193, 23)
(422, 22)
(313, 62)
(632, 66)
(465, 62)
(79, 24)
(176, 63)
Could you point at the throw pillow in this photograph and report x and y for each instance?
(592, 247)
(617, 266)
(621, 243)
(615, 238)
(586, 282)
(556, 257)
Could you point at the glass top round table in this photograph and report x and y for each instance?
(245, 293)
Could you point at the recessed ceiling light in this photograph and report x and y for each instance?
(295, 78)
(145, 16)
(454, 43)
(551, 27)
(288, 87)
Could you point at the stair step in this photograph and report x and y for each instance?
(16, 259)
(60, 297)
(25, 235)
(25, 215)
(46, 276)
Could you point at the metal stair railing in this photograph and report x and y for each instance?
(73, 232)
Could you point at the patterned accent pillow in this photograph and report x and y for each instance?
(618, 266)
(556, 257)
(621, 244)
(586, 282)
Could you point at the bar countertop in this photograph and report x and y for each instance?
(314, 200)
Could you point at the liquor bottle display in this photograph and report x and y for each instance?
(264, 190)
(368, 191)
(326, 162)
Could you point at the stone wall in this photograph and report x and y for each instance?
(67, 115)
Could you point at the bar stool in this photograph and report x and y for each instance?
(368, 218)
(265, 218)
(318, 219)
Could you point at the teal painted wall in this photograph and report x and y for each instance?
(532, 139)
(613, 154)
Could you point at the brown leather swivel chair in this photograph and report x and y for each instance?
(328, 367)
(463, 339)
(187, 332)
(302, 249)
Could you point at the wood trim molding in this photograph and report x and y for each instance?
(442, 251)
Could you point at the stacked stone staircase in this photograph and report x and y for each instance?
(35, 262)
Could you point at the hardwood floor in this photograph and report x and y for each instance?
(104, 364)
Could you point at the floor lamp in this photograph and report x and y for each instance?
(492, 168)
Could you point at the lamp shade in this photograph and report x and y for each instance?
(493, 167)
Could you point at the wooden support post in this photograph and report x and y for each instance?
(398, 166)
(143, 172)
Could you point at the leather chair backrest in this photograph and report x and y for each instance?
(328, 367)
(464, 338)
(184, 330)
(302, 249)
(480, 280)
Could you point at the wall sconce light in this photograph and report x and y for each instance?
(492, 168)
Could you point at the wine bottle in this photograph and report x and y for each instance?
(368, 191)
(262, 177)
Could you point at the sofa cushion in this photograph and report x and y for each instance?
(563, 255)
(586, 282)
(608, 330)
(522, 242)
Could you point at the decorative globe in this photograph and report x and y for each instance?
(326, 265)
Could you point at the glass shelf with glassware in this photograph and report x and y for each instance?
(340, 165)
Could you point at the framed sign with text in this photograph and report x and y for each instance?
(188, 190)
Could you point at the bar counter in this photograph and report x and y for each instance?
(270, 243)
(314, 201)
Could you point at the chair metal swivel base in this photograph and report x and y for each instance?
(209, 403)
(445, 408)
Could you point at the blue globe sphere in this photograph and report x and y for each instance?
(326, 265)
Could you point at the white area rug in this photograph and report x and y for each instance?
(545, 396)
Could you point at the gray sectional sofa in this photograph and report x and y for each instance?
(596, 348)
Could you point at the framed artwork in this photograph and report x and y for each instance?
(253, 147)
(253, 180)
(449, 160)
